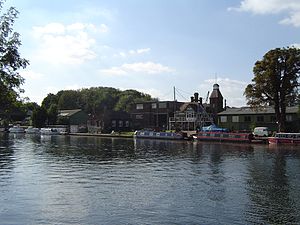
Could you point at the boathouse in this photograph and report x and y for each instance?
(246, 118)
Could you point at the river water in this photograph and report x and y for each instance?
(93, 180)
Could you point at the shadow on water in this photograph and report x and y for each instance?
(272, 187)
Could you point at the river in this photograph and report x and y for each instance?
(93, 180)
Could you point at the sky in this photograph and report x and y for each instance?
(150, 45)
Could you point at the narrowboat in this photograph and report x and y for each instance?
(159, 135)
(223, 136)
(285, 138)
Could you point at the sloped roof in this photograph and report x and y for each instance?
(193, 105)
(248, 110)
(68, 113)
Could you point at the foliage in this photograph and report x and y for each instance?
(276, 82)
(95, 100)
(10, 61)
(39, 117)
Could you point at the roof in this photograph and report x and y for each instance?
(194, 105)
(248, 111)
(69, 112)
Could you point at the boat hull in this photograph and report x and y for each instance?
(224, 136)
(285, 138)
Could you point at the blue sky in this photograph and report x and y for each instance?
(151, 45)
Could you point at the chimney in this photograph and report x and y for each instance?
(196, 96)
(200, 101)
(192, 99)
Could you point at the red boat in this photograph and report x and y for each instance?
(285, 138)
(223, 136)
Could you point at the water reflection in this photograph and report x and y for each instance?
(269, 190)
(88, 180)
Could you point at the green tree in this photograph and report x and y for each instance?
(39, 117)
(52, 114)
(276, 82)
(10, 61)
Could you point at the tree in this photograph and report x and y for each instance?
(10, 61)
(276, 82)
(39, 117)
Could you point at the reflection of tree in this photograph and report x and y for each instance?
(269, 192)
(6, 154)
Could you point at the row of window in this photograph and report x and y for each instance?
(120, 124)
(161, 105)
(236, 119)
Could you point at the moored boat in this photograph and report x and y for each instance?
(32, 130)
(159, 135)
(49, 131)
(16, 129)
(223, 136)
(285, 138)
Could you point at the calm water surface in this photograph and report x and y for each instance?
(92, 180)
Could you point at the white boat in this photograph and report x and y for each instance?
(49, 131)
(32, 130)
(16, 129)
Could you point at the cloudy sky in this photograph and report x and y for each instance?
(151, 45)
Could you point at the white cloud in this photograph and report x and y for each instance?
(71, 44)
(296, 45)
(134, 52)
(232, 90)
(290, 7)
(29, 74)
(140, 67)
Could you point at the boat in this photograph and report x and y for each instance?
(285, 138)
(16, 129)
(49, 131)
(159, 135)
(32, 130)
(223, 136)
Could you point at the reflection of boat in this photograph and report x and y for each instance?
(32, 130)
(285, 138)
(49, 131)
(16, 129)
(223, 136)
(159, 135)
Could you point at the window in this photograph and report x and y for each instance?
(120, 123)
(113, 123)
(139, 117)
(153, 105)
(247, 118)
(139, 106)
(126, 123)
(273, 119)
(289, 118)
(235, 119)
(260, 118)
(162, 105)
(223, 119)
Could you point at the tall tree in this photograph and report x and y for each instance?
(276, 82)
(10, 61)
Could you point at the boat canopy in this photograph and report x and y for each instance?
(214, 128)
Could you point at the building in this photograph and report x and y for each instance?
(76, 119)
(215, 102)
(191, 116)
(109, 121)
(246, 118)
(153, 114)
